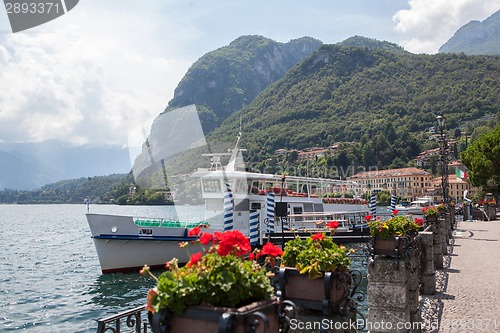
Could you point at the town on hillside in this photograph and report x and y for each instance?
(407, 184)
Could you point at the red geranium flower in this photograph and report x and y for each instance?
(332, 225)
(217, 236)
(368, 217)
(206, 238)
(419, 221)
(318, 237)
(194, 232)
(195, 257)
(233, 242)
(271, 250)
(395, 212)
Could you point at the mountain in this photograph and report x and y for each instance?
(25, 166)
(372, 44)
(382, 100)
(20, 172)
(476, 38)
(229, 78)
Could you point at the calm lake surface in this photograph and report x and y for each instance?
(50, 279)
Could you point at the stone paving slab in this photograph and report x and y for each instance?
(468, 288)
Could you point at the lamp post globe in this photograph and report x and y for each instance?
(441, 122)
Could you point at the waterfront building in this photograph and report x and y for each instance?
(456, 188)
(406, 183)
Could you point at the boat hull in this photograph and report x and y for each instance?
(123, 246)
(118, 255)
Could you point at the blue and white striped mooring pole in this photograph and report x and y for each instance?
(270, 211)
(373, 204)
(228, 210)
(254, 227)
(393, 203)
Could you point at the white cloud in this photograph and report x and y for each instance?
(89, 78)
(428, 24)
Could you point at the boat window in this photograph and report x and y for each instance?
(241, 186)
(211, 186)
(315, 189)
(308, 207)
(318, 208)
(253, 187)
(256, 206)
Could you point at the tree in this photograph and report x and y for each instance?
(482, 158)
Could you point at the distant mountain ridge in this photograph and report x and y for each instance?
(476, 38)
(25, 166)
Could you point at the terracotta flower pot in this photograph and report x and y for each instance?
(431, 218)
(262, 316)
(392, 246)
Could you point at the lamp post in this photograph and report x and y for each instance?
(444, 161)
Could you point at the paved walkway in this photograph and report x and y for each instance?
(468, 289)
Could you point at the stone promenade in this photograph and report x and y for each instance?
(468, 288)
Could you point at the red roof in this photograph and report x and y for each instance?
(412, 171)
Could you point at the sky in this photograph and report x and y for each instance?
(102, 72)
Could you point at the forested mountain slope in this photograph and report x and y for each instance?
(383, 100)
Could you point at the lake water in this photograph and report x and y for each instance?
(50, 279)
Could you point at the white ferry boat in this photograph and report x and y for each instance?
(417, 205)
(257, 204)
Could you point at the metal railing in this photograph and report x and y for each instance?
(133, 320)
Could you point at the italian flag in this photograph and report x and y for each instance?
(460, 174)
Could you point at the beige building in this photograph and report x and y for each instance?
(456, 188)
(407, 183)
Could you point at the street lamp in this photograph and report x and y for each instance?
(444, 160)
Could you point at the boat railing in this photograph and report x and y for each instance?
(135, 319)
(319, 220)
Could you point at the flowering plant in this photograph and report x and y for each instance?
(491, 202)
(430, 211)
(441, 206)
(227, 275)
(315, 255)
(394, 226)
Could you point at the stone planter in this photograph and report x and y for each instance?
(490, 212)
(262, 316)
(329, 293)
(431, 219)
(392, 246)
